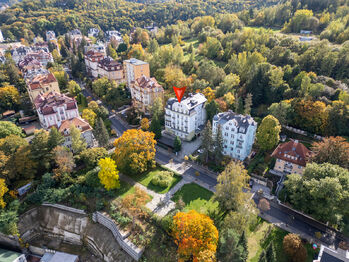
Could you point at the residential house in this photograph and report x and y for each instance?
(93, 32)
(113, 70)
(50, 36)
(31, 73)
(97, 47)
(134, 69)
(29, 63)
(327, 254)
(40, 54)
(114, 37)
(187, 118)
(144, 91)
(238, 133)
(92, 59)
(76, 38)
(82, 125)
(19, 53)
(53, 108)
(291, 157)
(41, 84)
(10, 256)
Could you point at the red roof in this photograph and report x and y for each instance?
(77, 122)
(47, 102)
(293, 152)
(40, 80)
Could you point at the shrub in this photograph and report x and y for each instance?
(162, 179)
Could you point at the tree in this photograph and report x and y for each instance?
(157, 109)
(174, 76)
(78, 143)
(294, 248)
(55, 138)
(209, 94)
(268, 255)
(322, 192)
(193, 233)
(64, 160)
(248, 104)
(231, 183)
(62, 79)
(8, 128)
(3, 191)
(177, 145)
(101, 133)
(91, 156)
(333, 150)
(264, 205)
(108, 173)
(155, 127)
(211, 109)
(268, 133)
(281, 111)
(232, 247)
(40, 152)
(135, 151)
(218, 145)
(111, 52)
(145, 124)
(74, 88)
(207, 141)
(89, 116)
(9, 98)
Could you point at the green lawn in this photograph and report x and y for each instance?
(258, 240)
(145, 180)
(197, 198)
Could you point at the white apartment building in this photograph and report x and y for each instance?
(238, 133)
(92, 59)
(187, 118)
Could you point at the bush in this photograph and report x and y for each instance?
(162, 179)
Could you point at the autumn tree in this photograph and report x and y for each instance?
(89, 116)
(74, 88)
(145, 124)
(231, 183)
(248, 104)
(264, 205)
(268, 133)
(55, 138)
(294, 248)
(91, 156)
(78, 143)
(8, 128)
(135, 151)
(194, 233)
(108, 173)
(9, 98)
(64, 160)
(334, 150)
(209, 94)
(174, 76)
(3, 191)
(101, 133)
(40, 151)
(281, 111)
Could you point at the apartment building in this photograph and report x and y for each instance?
(144, 91)
(92, 58)
(187, 118)
(113, 70)
(291, 157)
(41, 84)
(134, 69)
(53, 108)
(238, 133)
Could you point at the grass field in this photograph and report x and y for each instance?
(197, 198)
(145, 180)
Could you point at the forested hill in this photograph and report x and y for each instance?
(29, 18)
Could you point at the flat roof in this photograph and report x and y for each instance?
(8, 256)
(59, 257)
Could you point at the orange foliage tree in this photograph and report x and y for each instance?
(195, 235)
(135, 151)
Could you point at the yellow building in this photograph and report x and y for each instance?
(42, 84)
(134, 69)
(291, 157)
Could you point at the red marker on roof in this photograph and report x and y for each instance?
(179, 92)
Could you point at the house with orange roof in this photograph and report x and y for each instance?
(41, 84)
(291, 157)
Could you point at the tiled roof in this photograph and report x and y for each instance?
(40, 80)
(241, 121)
(146, 82)
(109, 62)
(47, 102)
(77, 122)
(293, 152)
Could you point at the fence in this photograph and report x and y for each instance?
(302, 132)
(125, 244)
(70, 209)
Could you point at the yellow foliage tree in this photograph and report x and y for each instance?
(135, 151)
(209, 94)
(3, 190)
(195, 235)
(89, 116)
(108, 174)
(145, 124)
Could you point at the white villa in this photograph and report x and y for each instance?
(238, 133)
(187, 118)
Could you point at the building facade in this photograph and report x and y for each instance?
(42, 84)
(53, 108)
(82, 125)
(291, 157)
(238, 133)
(113, 70)
(134, 69)
(144, 91)
(50, 36)
(92, 59)
(187, 118)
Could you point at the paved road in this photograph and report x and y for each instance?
(276, 215)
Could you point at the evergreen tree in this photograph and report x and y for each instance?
(218, 145)
(155, 127)
(270, 253)
(78, 143)
(55, 138)
(207, 141)
(243, 243)
(101, 133)
(177, 145)
(248, 104)
(262, 257)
